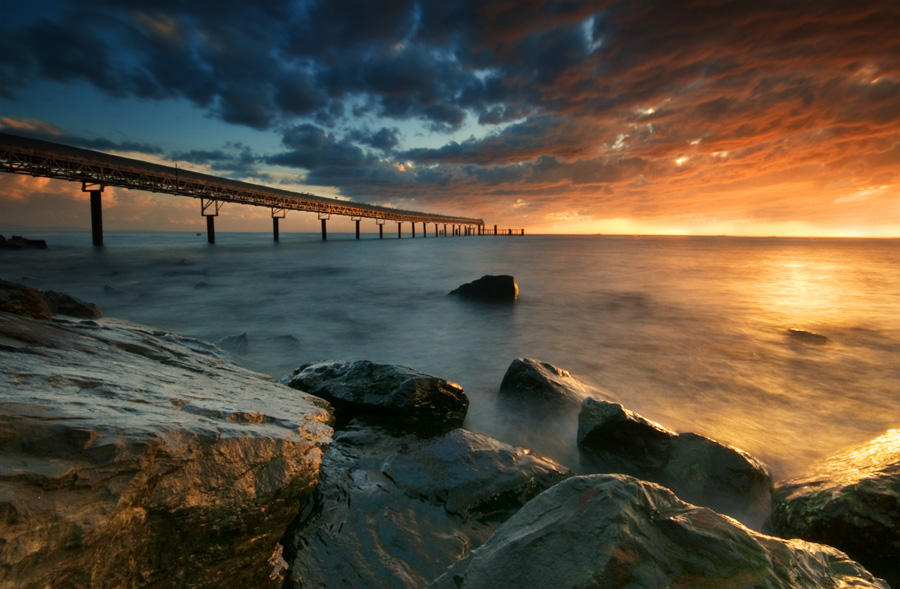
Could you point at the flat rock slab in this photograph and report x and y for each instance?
(850, 501)
(131, 457)
(618, 531)
(395, 394)
(699, 470)
(396, 510)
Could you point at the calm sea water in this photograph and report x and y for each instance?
(690, 332)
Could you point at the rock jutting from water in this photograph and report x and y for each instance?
(17, 242)
(850, 501)
(408, 398)
(394, 510)
(131, 457)
(534, 385)
(489, 288)
(618, 531)
(699, 470)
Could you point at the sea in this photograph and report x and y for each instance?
(691, 332)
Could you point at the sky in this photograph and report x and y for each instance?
(702, 117)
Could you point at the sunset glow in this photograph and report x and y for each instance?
(756, 119)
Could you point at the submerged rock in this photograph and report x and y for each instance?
(490, 288)
(699, 470)
(131, 457)
(807, 336)
(617, 531)
(394, 394)
(396, 510)
(850, 501)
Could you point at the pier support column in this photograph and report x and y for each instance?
(324, 217)
(413, 228)
(96, 218)
(495, 230)
(96, 211)
(399, 230)
(357, 219)
(424, 229)
(445, 230)
(380, 223)
(277, 213)
(275, 228)
(209, 208)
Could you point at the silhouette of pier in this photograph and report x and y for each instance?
(96, 170)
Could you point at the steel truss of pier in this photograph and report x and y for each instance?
(95, 170)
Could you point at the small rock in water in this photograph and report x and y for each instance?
(17, 242)
(532, 382)
(490, 288)
(235, 343)
(807, 336)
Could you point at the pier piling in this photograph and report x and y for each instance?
(96, 217)
(211, 228)
(275, 228)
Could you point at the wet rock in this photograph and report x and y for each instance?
(850, 501)
(17, 242)
(396, 510)
(490, 288)
(394, 394)
(131, 457)
(613, 439)
(65, 304)
(239, 344)
(23, 300)
(617, 531)
(534, 384)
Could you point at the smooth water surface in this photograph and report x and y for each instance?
(690, 332)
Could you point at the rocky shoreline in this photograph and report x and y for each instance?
(131, 457)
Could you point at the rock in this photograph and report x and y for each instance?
(65, 304)
(131, 457)
(17, 242)
(23, 300)
(396, 510)
(699, 470)
(490, 288)
(541, 385)
(239, 344)
(617, 531)
(850, 501)
(397, 394)
(807, 336)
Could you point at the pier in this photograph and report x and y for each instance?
(96, 170)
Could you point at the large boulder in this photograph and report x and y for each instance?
(618, 531)
(131, 457)
(399, 395)
(850, 501)
(396, 510)
(613, 439)
(61, 303)
(489, 288)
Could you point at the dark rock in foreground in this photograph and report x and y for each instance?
(134, 458)
(850, 501)
(697, 469)
(395, 511)
(490, 288)
(17, 242)
(534, 385)
(397, 394)
(617, 531)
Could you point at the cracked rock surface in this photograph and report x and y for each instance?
(135, 458)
